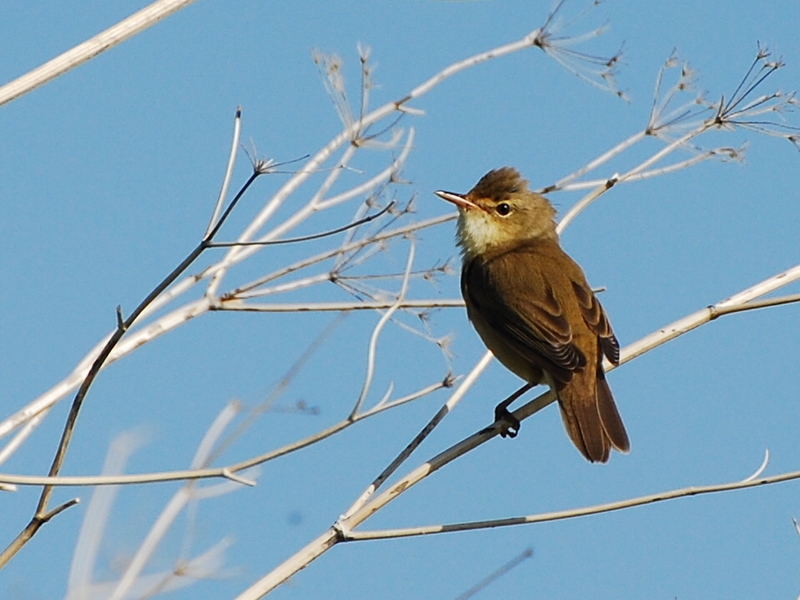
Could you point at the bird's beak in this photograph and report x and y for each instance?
(457, 199)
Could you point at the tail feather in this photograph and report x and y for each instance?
(590, 416)
(613, 426)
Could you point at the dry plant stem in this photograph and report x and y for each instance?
(739, 302)
(228, 472)
(332, 536)
(357, 517)
(299, 561)
(373, 342)
(239, 305)
(132, 582)
(175, 505)
(226, 181)
(95, 521)
(90, 48)
(240, 252)
(454, 399)
(306, 238)
(576, 512)
(726, 117)
(666, 170)
(240, 292)
(514, 562)
(22, 435)
(600, 160)
(584, 202)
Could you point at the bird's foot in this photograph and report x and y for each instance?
(510, 424)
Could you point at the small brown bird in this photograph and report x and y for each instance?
(532, 307)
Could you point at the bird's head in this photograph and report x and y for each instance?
(500, 211)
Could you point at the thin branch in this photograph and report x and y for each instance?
(306, 238)
(358, 244)
(30, 530)
(60, 508)
(513, 563)
(451, 403)
(239, 305)
(593, 164)
(81, 53)
(614, 179)
(704, 315)
(760, 469)
(226, 180)
(725, 152)
(572, 513)
(726, 310)
(373, 342)
(228, 471)
(23, 434)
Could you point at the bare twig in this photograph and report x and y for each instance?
(226, 180)
(513, 563)
(373, 342)
(576, 512)
(229, 471)
(109, 38)
(308, 238)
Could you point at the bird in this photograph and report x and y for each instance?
(531, 305)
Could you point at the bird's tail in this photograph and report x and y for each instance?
(590, 416)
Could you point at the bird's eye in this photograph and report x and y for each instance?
(503, 209)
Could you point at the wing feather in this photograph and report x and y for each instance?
(596, 319)
(516, 301)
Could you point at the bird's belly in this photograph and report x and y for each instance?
(510, 358)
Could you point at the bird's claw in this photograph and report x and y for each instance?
(510, 423)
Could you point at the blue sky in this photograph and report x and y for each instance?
(108, 176)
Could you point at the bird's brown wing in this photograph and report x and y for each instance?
(514, 297)
(595, 318)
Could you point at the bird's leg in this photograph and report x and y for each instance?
(501, 413)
